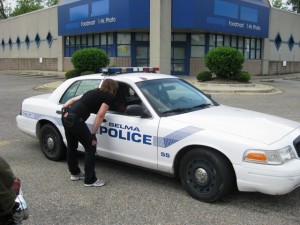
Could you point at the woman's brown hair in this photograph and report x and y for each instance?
(109, 86)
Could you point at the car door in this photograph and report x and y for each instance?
(130, 139)
(79, 87)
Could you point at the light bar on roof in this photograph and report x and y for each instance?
(116, 70)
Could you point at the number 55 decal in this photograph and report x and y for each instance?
(164, 154)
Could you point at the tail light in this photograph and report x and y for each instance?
(17, 185)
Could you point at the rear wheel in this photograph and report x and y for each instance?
(206, 174)
(51, 143)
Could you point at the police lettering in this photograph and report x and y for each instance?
(125, 127)
(126, 135)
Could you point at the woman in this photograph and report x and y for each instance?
(75, 112)
(7, 193)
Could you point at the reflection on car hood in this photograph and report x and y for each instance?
(256, 126)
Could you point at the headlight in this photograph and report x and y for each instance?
(271, 157)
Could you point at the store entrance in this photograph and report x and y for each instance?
(179, 55)
(178, 61)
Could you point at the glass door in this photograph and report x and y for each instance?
(178, 66)
(179, 57)
(142, 56)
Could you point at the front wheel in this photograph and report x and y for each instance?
(51, 143)
(206, 174)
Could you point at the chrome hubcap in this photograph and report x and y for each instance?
(201, 176)
(50, 143)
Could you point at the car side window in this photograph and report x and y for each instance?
(78, 88)
(125, 96)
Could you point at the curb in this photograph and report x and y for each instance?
(49, 86)
(252, 88)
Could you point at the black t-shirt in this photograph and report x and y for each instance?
(90, 102)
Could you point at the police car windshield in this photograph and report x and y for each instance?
(173, 96)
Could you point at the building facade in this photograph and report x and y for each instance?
(173, 35)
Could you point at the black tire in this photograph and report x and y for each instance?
(206, 174)
(51, 143)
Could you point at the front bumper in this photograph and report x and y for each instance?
(268, 179)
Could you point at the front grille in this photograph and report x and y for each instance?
(297, 145)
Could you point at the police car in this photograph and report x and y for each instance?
(163, 123)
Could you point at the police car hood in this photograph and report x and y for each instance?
(256, 126)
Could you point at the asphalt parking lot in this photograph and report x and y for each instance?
(133, 195)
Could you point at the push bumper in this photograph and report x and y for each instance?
(268, 179)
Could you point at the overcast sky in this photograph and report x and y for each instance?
(12, 2)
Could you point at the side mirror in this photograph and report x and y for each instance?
(137, 110)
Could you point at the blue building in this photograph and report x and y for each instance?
(174, 35)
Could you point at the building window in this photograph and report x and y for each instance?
(144, 37)
(10, 43)
(252, 53)
(106, 43)
(96, 40)
(278, 41)
(27, 41)
(212, 41)
(179, 37)
(18, 41)
(124, 44)
(49, 39)
(90, 41)
(291, 43)
(142, 49)
(197, 45)
(77, 42)
(258, 49)
(241, 44)
(219, 40)
(249, 47)
(37, 40)
(83, 41)
(233, 42)
(103, 41)
(227, 40)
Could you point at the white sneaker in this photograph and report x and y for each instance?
(79, 176)
(98, 183)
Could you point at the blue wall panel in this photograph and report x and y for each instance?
(241, 17)
(76, 17)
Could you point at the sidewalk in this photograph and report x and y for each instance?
(254, 87)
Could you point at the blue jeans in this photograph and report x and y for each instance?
(76, 131)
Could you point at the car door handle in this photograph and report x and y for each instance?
(58, 111)
(104, 121)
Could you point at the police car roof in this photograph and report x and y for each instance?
(137, 77)
(132, 77)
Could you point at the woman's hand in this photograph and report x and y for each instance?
(94, 141)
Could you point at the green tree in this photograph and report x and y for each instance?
(49, 3)
(26, 6)
(277, 3)
(295, 4)
(225, 62)
(23, 6)
(89, 59)
(5, 9)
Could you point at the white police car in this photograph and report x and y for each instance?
(163, 123)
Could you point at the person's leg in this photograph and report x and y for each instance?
(72, 145)
(84, 136)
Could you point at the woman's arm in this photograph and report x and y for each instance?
(99, 117)
(71, 101)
